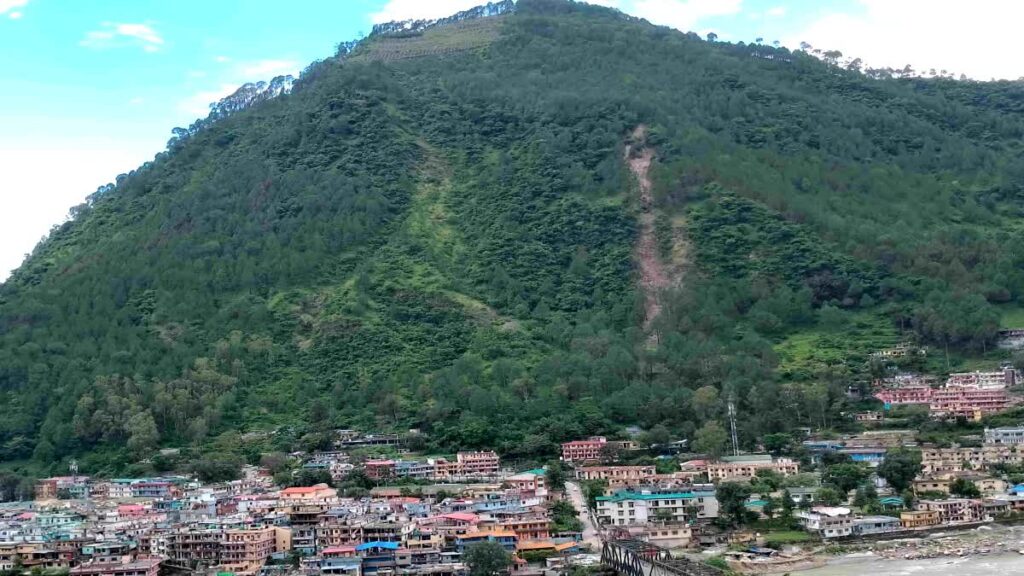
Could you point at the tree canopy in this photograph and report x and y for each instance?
(436, 230)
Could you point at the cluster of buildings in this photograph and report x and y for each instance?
(142, 526)
(467, 465)
(927, 514)
(81, 487)
(942, 469)
(969, 395)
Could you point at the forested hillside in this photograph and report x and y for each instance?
(436, 229)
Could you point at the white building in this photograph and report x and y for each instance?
(1008, 435)
(995, 380)
(828, 522)
(626, 508)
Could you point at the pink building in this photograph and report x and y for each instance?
(906, 395)
(969, 402)
(477, 463)
(379, 469)
(584, 450)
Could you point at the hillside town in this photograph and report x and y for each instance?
(421, 514)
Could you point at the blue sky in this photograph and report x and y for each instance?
(92, 89)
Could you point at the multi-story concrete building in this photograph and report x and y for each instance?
(868, 525)
(625, 508)
(952, 511)
(1006, 435)
(527, 529)
(616, 474)
(380, 469)
(746, 467)
(62, 486)
(418, 469)
(484, 463)
(589, 450)
(333, 531)
(29, 555)
(972, 403)
(244, 551)
(995, 380)
(905, 395)
(337, 561)
(942, 483)
(942, 460)
(505, 538)
(194, 545)
(826, 521)
(919, 518)
(530, 481)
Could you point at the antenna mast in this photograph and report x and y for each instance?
(732, 426)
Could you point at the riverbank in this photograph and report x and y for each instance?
(982, 540)
(976, 550)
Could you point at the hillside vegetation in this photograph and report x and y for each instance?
(436, 230)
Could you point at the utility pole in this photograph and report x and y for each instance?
(732, 426)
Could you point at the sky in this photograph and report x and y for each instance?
(89, 90)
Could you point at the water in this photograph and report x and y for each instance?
(859, 565)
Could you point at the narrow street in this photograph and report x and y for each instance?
(591, 536)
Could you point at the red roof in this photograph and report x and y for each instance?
(463, 516)
(300, 490)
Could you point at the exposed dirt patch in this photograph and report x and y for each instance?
(653, 274)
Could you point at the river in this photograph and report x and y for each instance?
(860, 565)
(1003, 542)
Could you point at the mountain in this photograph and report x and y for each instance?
(513, 227)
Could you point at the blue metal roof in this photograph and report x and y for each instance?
(385, 545)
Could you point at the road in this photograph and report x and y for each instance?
(591, 536)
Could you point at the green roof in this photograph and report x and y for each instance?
(536, 472)
(748, 458)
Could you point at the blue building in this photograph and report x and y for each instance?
(506, 538)
(378, 556)
(870, 456)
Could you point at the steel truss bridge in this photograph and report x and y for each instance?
(639, 558)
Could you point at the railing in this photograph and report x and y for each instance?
(638, 558)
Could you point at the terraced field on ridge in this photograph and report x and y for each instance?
(437, 41)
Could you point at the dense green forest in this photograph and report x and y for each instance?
(435, 229)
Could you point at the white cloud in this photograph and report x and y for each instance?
(683, 14)
(140, 31)
(222, 59)
(776, 11)
(15, 15)
(43, 195)
(8, 5)
(136, 101)
(266, 69)
(112, 35)
(198, 105)
(977, 38)
(420, 9)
